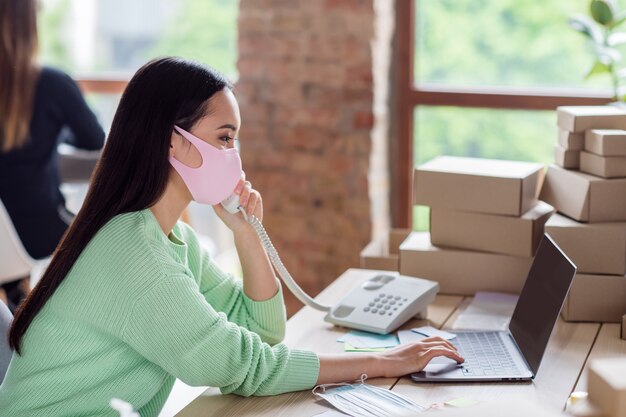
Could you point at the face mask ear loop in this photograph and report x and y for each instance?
(323, 387)
(363, 378)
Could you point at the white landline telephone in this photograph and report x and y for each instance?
(380, 305)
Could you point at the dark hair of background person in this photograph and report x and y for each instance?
(132, 172)
(18, 70)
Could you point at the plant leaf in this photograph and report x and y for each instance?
(598, 68)
(601, 12)
(621, 73)
(586, 26)
(619, 19)
(606, 54)
(616, 38)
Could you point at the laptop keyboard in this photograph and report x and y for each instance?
(484, 354)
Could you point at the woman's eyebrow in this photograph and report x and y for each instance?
(227, 126)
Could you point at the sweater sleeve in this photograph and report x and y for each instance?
(173, 326)
(86, 131)
(225, 293)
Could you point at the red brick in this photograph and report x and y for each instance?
(306, 99)
(363, 120)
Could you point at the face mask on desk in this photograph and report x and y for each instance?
(363, 400)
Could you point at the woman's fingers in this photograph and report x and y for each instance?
(244, 197)
(436, 351)
(440, 343)
(253, 200)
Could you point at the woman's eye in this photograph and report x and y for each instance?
(226, 139)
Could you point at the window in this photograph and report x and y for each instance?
(482, 79)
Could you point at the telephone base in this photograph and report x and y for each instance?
(384, 302)
(422, 315)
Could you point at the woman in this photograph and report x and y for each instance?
(35, 104)
(130, 301)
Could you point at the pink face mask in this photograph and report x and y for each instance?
(217, 176)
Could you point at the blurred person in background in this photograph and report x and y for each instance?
(36, 103)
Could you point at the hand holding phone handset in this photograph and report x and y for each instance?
(231, 204)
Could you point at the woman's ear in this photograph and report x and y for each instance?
(174, 144)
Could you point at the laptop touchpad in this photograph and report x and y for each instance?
(441, 364)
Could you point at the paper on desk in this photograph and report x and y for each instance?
(408, 336)
(358, 339)
(430, 331)
(461, 402)
(487, 311)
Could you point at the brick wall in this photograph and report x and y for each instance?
(314, 128)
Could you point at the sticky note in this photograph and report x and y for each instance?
(347, 347)
(359, 339)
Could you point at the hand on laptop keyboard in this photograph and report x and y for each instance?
(413, 357)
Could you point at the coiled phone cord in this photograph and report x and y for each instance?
(278, 264)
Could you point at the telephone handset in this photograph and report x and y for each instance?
(380, 305)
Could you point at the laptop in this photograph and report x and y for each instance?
(514, 354)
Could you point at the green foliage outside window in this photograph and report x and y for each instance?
(495, 43)
(204, 30)
(601, 29)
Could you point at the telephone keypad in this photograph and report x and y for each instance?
(385, 304)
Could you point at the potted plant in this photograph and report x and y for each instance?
(601, 29)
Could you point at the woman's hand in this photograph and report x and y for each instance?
(399, 361)
(413, 357)
(249, 198)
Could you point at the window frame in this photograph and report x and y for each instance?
(409, 95)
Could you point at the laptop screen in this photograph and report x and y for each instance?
(540, 302)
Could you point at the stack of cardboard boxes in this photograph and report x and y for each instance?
(485, 224)
(384, 253)
(591, 226)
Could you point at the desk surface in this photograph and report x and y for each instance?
(560, 373)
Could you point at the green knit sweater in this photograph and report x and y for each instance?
(137, 311)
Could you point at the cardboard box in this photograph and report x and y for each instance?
(581, 118)
(572, 140)
(606, 385)
(459, 271)
(596, 298)
(595, 248)
(382, 253)
(585, 197)
(623, 332)
(566, 158)
(603, 166)
(490, 233)
(606, 142)
(478, 185)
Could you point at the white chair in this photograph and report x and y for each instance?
(15, 262)
(5, 351)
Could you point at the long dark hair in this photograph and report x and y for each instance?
(133, 170)
(18, 70)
